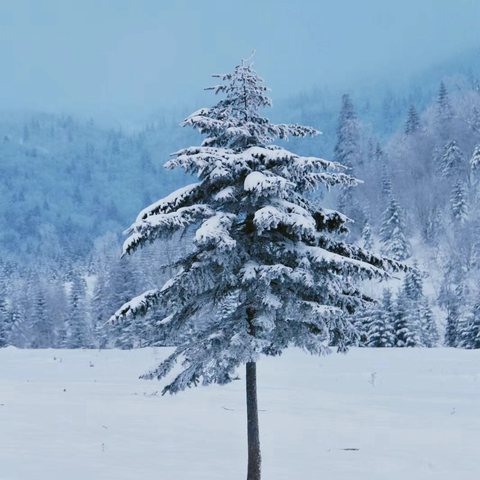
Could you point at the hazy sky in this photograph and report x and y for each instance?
(97, 56)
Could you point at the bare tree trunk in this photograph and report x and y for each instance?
(254, 456)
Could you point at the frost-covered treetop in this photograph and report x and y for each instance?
(235, 121)
(267, 268)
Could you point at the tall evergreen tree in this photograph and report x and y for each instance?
(429, 331)
(386, 183)
(361, 320)
(452, 160)
(380, 332)
(419, 319)
(452, 326)
(121, 282)
(100, 313)
(475, 160)
(453, 298)
(17, 334)
(4, 317)
(469, 331)
(412, 124)
(475, 173)
(444, 107)
(379, 155)
(347, 153)
(260, 246)
(367, 236)
(78, 331)
(41, 324)
(413, 284)
(406, 322)
(458, 202)
(392, 232)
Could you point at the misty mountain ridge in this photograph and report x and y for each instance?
(65, 181)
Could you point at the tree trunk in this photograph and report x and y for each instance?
(254, 456)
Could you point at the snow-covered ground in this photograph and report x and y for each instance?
(76, 415)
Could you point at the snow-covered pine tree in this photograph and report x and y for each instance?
(17, 334)
(452, 326)
(347, 153)
(444, 107)
(386, 183)
(459, 202)
(121, 283)
(78, 331)
(475, 174)
(4, 317)
(367, 235)
(453, 298)
(469, 331)
(20, 313)
(475, 160)
(379, 155)
(260, 245)
(406, 322)
(392, 232)
(361, 319)
(100, 311)
(413, 121)
(42, 328)
(380, 332)
(429, 332)
(452, 160)
(419, 317)
(413, 284)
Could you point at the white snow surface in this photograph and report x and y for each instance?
(411, 413)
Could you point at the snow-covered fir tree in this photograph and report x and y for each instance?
(469, 331)
(121, 286)
(412, 124)
(100, 311)
(380, 328)
(444, 107)
(429, 331)
(452, 160)
(347, 153)
(386, 183)
(4, 317)
(392, 232)
(42, 327)
(20, 313)
(407, 325)
(413, 284)
(266, 269)
(474, 175)
(475, 160)
(361, 319)
(367, 236)
(379, 155)
(78, 330)
(17, 334)
(453, 299)
(459, 202)
(418, 314)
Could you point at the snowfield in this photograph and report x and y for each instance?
(83, 414)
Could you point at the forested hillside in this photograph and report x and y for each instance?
(65, 181)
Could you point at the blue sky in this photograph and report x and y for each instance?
(95, 56)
